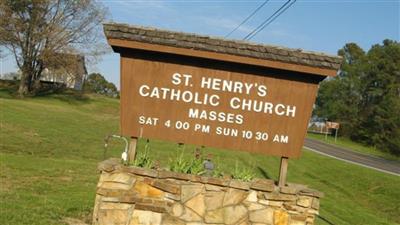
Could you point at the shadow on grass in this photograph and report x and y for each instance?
(9, 90)
(325, 220)
(68, 96)
(7, 93)
(264, 173)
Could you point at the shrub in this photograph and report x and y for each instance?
(181, 164)
(143, 159)
(243, 173)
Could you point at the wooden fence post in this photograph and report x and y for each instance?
(283, 171)
(132, 149)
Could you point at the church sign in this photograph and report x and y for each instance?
(214, 92)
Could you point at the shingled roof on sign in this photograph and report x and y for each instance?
(220, 45)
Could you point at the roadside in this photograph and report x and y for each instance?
(352, 146)
(373, 162)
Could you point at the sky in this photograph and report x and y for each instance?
(312, 25)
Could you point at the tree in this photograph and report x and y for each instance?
(39, 32)
(365, 96)
(339, 98)
(96, 83)
(379, 123)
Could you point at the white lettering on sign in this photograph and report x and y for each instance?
(215, 116)
(264, 107)
(232, 86)
(281, 139)
(202, 128)
(177, 79)
(178, 95)
(225, 131)
(214, 100)
(148, 120)
(237, 104)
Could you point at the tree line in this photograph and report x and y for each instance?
(365, 96)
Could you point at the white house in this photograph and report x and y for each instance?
(72, 75)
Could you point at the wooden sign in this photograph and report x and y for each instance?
(332, 125)
(194, 96)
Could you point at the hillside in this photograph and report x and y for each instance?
(50, 147)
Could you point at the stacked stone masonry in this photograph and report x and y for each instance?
(133, 196)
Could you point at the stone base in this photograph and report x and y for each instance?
(137, 196)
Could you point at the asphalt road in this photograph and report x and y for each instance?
(373, 162)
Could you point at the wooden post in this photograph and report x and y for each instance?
(336, 134)
(326, 130)
(132, 149)
(283, 171)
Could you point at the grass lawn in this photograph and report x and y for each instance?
(50, 147)
(351, 145)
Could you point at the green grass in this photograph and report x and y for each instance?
(50, 147)
(354, 146)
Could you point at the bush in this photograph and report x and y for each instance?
(181, 164)
(143, 159)
(243, 173)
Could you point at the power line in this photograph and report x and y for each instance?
(265, 21)
(270, 19)
(245, 20)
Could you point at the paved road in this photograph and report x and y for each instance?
(373, 162)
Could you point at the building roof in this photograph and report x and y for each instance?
(220, 45)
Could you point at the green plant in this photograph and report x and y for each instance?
(181, 164)
(217, 171)
(143, 158)
(196, 167)
(243, 173)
